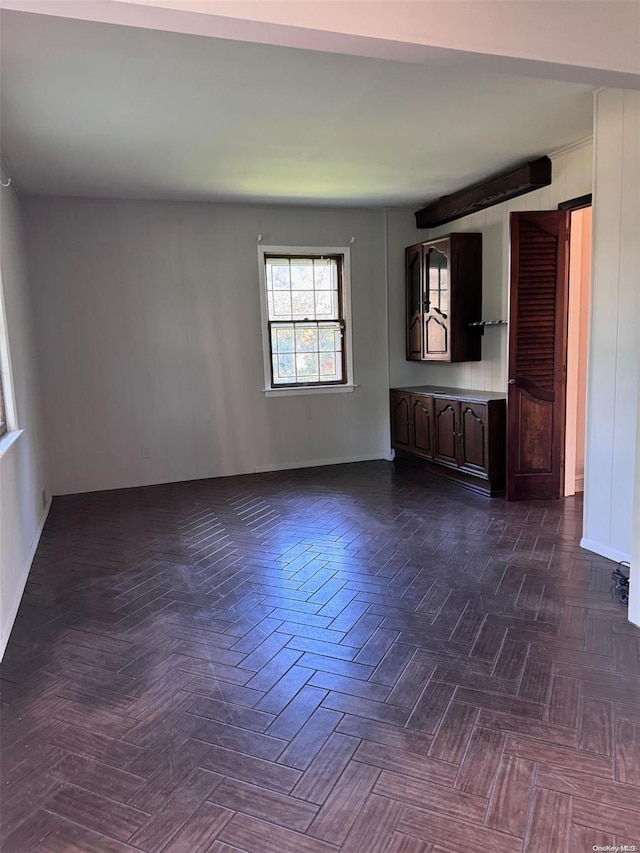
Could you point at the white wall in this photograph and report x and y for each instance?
(614, 353)
(148, 318)
(22, 478)
(572, 177)
(634, 591)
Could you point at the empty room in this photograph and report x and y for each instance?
(319, 417)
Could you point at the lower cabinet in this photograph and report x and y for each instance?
(422, 425)
(459, 434)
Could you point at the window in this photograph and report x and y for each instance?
(306, 330)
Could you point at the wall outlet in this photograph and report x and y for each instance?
(44, 499)
(146, 452)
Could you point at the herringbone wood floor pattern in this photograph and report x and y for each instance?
(354, 658)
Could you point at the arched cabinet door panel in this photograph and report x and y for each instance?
(446, 417)
(436, 336)
(400, 420)
(422, 425)
(473, 436)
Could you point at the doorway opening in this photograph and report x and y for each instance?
(577, 344)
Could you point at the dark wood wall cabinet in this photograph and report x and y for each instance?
(457, 433)
(444, 296)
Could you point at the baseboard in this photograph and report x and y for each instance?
(579, 484)
(11, 618)
(316, 463)
(604, 551)
(618, 557)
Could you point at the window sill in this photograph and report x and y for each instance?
(8, 440)
(310, 389)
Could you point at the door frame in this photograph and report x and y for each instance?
(567, 206)
(572, 205)
(577, 203)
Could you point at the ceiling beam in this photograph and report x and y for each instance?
(523, 179)
(594, 43)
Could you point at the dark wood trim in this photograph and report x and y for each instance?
(576, 203)
(523, 179)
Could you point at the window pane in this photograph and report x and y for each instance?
(324, 274)
(281, 304)
(307, 339)
(278, 275)
(311, 285)
(326, 339)
(302, 273)
(325, 304)
(307, 366)
(303, 304)
(284, 369)
(328, 366)
(305, 353)
(284, 339)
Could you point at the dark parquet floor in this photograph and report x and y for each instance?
(357, 658)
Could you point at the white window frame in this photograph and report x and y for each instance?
(271, 390)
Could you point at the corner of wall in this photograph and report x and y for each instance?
(23, 511)
(9, 617)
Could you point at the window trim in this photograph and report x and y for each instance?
(6, 376)
(349, 384)
(3, 416)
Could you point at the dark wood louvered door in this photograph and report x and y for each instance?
(537, 352)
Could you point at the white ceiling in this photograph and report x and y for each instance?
(99, 110)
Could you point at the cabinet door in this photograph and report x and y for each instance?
(445, 430)
(422, 426)
(436, 308)
(473, 437)
(400, 420)
(415, 287)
